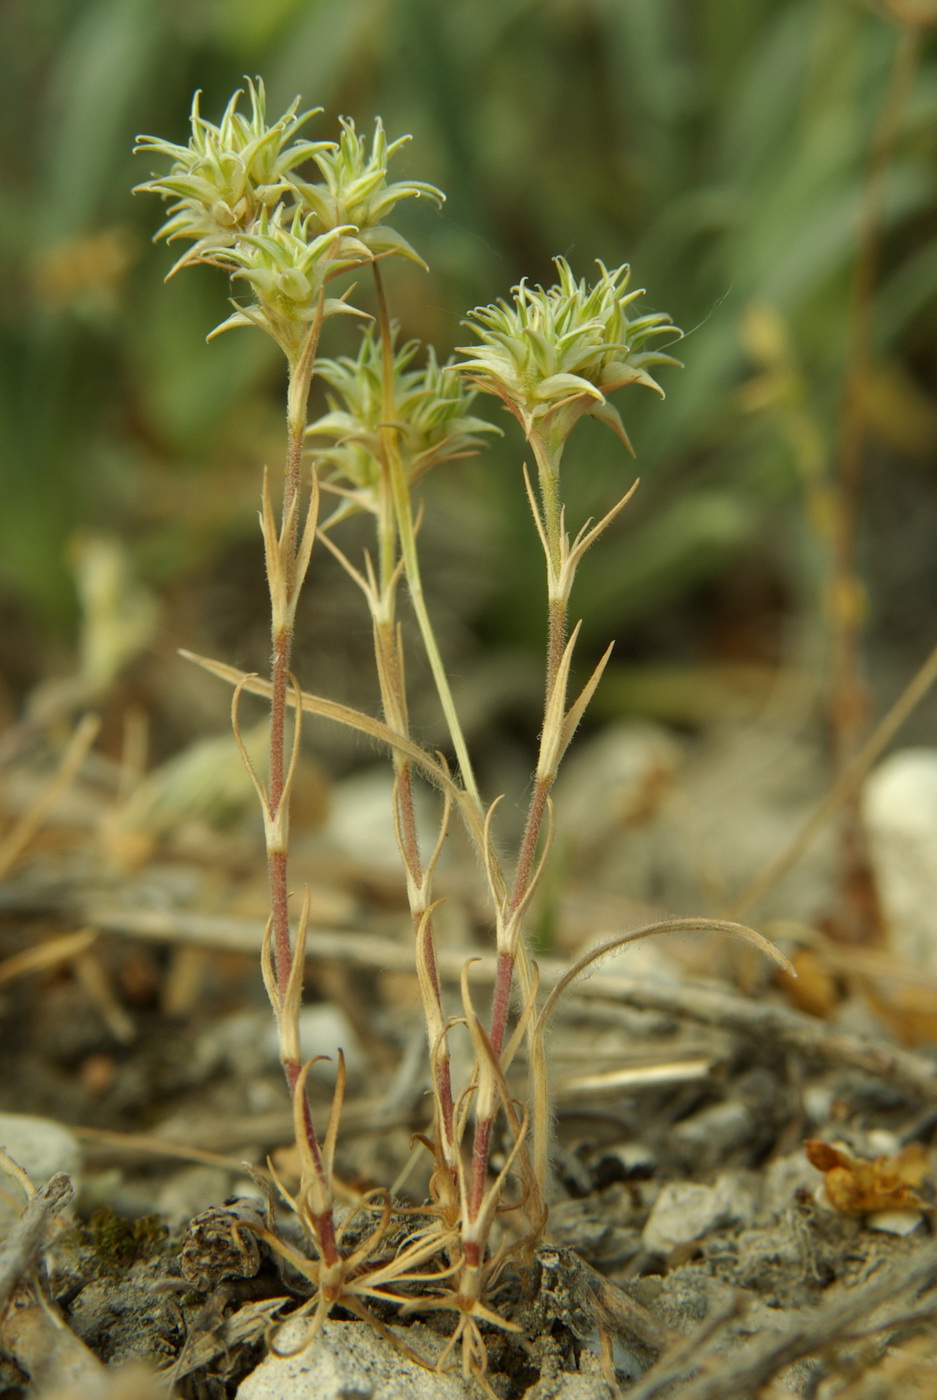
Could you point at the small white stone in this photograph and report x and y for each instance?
(686, 1210)
(190, 1191)
(361, 820)
(571, 1387)
(42, 1148)
(881, 1143)
(683, 1211)
(894, 1222)
(350, 1361)
(818, 1102)
(324, 1029)
(900, 808)
(614, 779)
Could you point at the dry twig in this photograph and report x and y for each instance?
(705, 1003)
(21, 1249)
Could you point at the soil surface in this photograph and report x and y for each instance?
(695, 1247)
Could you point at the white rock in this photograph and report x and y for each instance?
(42, 1148)
(242, 1043)
(894, 1222)
(324, 1029)
(570, 1387)
(818, 1101)
(783, 1179)
(682, 1212)
(615, 778)
(686, 1210)
(191, 1191)
(707, 1137)
(349, 1361)
(900, 809)
(361, 821)
(879, 1142)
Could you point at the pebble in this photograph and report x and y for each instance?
(686, 1210)
(894, 1222)
(783, 1180)
(323, 1029)
(361, 822)
(349, 1361)
(246, 1042)
(900, 808)
(615, 779)
(710, 1135)
(569, 1387)
(190, 1191)
(42, 1148)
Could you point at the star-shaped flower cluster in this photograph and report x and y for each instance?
(431, 418)
(236, 194)
(552, 356)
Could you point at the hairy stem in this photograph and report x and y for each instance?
(393, 509)
(513, 951)
(285, 586)
(403, 509)
(277, 856)
(283, 610)
(557, 622)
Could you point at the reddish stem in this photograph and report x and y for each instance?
(481, 1151)
(277, 794)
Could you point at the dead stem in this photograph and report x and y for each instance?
(861, 919)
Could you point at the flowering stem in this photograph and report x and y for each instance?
(283, 614)
(391, 511)
(285, 584)
(555, 548)
(407, 536)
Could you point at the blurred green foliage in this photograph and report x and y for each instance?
(719, 147)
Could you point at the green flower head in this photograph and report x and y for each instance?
(356, 189)
(287, 270)
(228, 174)
(432, 418)
(552, 356)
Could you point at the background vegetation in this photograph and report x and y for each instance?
(720, 147)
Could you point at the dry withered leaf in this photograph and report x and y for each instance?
(858, 1186)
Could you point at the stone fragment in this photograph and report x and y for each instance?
(189, 1191)
(42, 1148)
(324, 1029)
(685, 1210)
(350, 1361)
(569, 1387)
(361, 823)
(900, 809)
(894, 1222)
(706, 1139)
